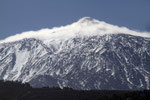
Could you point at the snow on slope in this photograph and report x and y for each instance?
(21, 60)
(85, 26)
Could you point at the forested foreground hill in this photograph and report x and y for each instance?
(17, 91)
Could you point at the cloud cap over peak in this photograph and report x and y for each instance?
(85, 26)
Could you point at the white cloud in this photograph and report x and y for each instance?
(85, 26)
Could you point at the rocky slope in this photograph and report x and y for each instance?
(88, 54)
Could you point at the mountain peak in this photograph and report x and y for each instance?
(87, 20)
(85, 26)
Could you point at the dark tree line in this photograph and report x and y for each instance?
(18, 91)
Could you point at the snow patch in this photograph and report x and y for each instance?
(21, 60)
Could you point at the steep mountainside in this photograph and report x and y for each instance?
(95, 56)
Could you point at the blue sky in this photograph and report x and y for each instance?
(17, 16)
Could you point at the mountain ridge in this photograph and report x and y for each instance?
(86, 25)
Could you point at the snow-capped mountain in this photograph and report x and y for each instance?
(88, 54)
